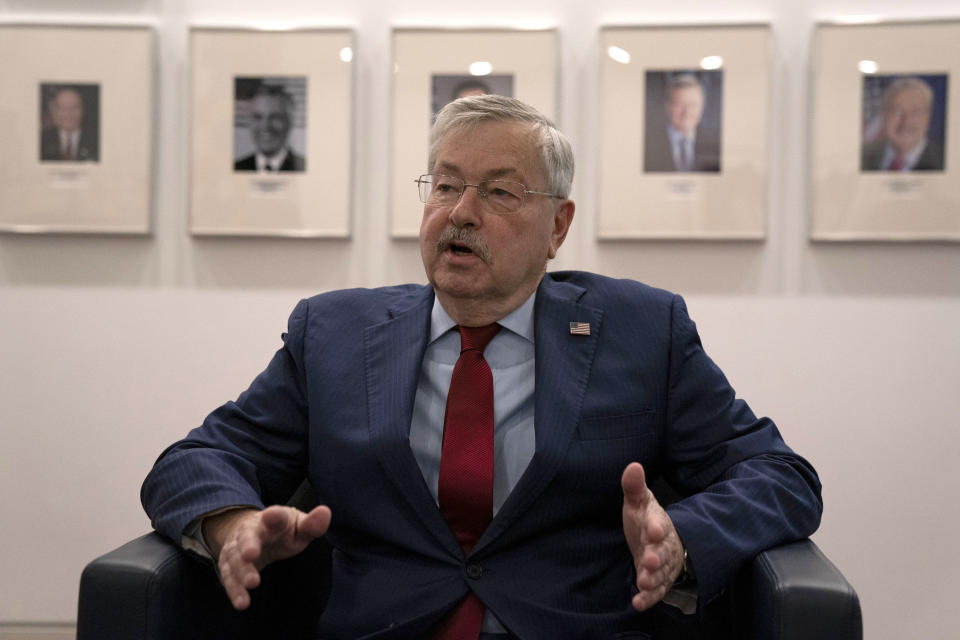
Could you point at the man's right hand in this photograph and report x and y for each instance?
(244, 541)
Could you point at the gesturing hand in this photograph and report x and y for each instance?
(247, 540)
(654, 543)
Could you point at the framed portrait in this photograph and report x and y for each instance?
(684, 132)
(271, 132)
(77, 129)
(885, 148)
(515, 63)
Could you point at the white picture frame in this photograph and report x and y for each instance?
(856, 195)
(314, 70)
(528, 57)
(77, 128)
(723, 200)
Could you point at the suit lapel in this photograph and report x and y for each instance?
(563, 368)
(393, 353)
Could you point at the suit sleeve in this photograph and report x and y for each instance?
(746, 489)
(248, 452)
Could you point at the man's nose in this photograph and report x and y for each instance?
(469, 207)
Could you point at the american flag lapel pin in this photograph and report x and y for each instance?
(580, 328)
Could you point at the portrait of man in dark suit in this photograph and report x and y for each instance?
(903, 123)
(69, 122)
(682, 125)
(267, 111)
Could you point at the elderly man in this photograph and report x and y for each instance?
(482, 446)
(680, 146)
(67, 140)
(903, 145)
(271, 118)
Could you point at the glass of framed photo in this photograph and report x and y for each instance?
(684, 132)
(511, 62)
(271, 132)
(77, 129)
(885, 139)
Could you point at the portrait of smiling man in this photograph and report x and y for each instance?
(483, 446)
(903, 140)
(270, 115)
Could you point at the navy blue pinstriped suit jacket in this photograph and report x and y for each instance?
(335, 404)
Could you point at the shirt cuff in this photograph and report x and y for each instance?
(683, 598)
(192, 537)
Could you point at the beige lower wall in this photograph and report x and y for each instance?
(37, 632)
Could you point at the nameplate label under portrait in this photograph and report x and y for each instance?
(682, 190)
(905, 188)
(274, 188)
(62, 178)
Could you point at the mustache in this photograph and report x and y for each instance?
(466, 237)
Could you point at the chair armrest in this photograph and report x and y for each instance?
(147, 589)
(150, 589)
(796, 593)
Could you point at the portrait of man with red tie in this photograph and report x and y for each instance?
(483, 446)
(683, 121)
(69, 122)
(903, 123)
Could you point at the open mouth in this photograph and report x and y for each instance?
(460, 249)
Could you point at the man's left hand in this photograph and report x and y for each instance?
(654, 543)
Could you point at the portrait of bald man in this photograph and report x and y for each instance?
(900, 137)
(69, 122)
(269, 110)
(682, 124)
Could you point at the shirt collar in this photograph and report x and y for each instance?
(677, 136)
(275, 161)
(519, 321)
(909, 160)
(69, 136)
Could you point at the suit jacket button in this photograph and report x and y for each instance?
(474, 571)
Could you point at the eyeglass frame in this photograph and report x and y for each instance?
(483, 194)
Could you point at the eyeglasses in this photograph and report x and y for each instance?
(498, 196)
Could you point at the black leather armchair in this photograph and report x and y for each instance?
(150, 589)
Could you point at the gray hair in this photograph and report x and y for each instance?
(555, 150)
(907, 83)
(683, 81)
(275, 91)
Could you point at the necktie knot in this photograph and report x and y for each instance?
(477, 338)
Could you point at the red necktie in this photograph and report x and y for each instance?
(897, 163)
(465, 487)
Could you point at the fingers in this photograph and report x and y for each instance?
(252, 543)
(634, 483)
(658, 568)
(654, 543)
(314, 524)
(277, 517)
(237, 565)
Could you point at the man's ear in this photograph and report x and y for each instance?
(562, 218)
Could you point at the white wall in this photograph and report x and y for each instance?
(111, 348)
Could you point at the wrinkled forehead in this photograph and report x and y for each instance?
(490, 150)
